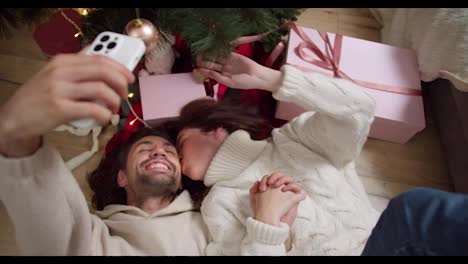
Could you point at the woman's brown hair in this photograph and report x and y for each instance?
(230, 114)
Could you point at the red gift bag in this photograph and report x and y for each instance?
(58, 35)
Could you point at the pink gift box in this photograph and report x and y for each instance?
(398, 117)
(163, 96)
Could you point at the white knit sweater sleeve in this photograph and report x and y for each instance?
(264, 239)
(342, 114)
(45, 204)
(229, 236)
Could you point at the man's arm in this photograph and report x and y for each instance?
(44, 202)
(41, 196)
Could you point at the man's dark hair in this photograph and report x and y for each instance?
(103, 180)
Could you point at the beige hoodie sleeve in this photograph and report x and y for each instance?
(47, 208)
(343, 113)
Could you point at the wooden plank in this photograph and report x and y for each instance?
(390, 189)
(316, 15)
(18, 69)
(419, 162)
(320, 20)
(360, 21)
(22, 44)
(363, 12)
(359, 32)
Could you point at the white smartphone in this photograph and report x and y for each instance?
(124, 49)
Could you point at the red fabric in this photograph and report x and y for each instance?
(243, 49)
(140, 66)
(183, 62)
(179, 42)
(263, 100)
(57, 35)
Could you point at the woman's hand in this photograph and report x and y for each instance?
(277, 180)
(274, 205)
(264, 195)
(238, 71)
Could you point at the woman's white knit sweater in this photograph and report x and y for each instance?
(318, 149)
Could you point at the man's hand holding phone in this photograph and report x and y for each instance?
(66, 89)
(123, 49)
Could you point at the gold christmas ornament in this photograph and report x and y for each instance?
(159, 54)
(143, 29)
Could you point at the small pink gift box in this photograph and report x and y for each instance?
(163, 96)
(389, 74)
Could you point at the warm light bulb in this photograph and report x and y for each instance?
(77, 34)
(130, 95)
(133, 121)
(82, 11)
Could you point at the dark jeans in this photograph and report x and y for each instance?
(422, 222)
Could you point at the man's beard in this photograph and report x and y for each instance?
(160, 185)
(156, 184)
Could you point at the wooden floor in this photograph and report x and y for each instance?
(386, 169)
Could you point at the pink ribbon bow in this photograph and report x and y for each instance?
(330, 60)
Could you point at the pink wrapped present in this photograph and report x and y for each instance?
(162, 96)
(389, 74)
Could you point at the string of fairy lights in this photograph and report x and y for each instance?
(81, 11)
(85, 12)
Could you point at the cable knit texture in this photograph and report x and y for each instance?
(318, 148)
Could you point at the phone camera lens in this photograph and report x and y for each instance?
(111, 45)
(98, 47)
(105, 38)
